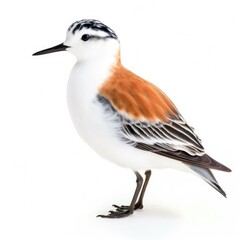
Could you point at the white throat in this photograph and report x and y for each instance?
(87, 76)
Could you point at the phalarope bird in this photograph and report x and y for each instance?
(125, 118)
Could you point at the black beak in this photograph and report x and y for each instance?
(58, 48)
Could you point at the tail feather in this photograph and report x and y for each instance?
(208, 177)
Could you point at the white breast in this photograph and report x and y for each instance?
(86, 112)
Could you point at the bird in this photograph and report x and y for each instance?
(125, 118)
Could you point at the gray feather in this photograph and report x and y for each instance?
(208, 177)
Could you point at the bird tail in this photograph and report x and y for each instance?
(208, 177)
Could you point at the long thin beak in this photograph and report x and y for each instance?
(58, 48)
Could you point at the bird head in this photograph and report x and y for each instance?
(87, 39)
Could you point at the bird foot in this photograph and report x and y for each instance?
(122, 211)
(138, 205)
(119, 213)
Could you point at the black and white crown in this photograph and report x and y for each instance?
(92, 24)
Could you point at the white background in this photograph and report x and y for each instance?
(52, 185)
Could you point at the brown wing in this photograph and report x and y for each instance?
(137, 98)
(150, 121)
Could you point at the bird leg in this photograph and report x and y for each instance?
(139, 203)
(127, 210)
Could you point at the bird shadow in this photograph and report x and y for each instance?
(152, 223)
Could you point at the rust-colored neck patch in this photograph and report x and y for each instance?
(135, 97)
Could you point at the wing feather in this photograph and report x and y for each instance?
(173, 139)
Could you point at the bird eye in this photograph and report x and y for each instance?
(85, 37)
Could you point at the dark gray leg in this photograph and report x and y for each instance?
(127, 210)
(139, 204)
